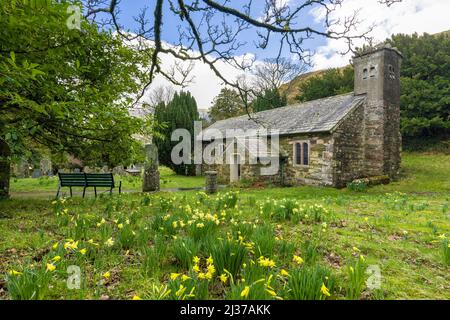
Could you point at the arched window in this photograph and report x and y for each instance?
(301, 153)
(298, 154)
(373, 72)
(305, 154)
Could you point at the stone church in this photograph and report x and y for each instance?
(332, 141)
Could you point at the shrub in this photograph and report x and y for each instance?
(309, 283)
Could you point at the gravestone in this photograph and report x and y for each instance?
(151, 181)
(211, 182)
(36, 173)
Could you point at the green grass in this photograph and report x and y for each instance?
(398, 228)
(46, 185)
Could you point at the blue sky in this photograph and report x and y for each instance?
(131, 8)
(408, 17)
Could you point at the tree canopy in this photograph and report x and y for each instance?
(270, 99)
(425, 99)
(330, 83)
(226, 105)
(66, 89)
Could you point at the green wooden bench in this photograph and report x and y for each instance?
(87, 180)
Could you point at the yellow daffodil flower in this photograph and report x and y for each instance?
(245, 292)
(109, 242)
(324, 290)
(120, 226)
(83, 251)
(106, 275)
(174, 276)
(56, 259)
(298, 260)
(51, 267)
(196, 268)
(14, 273)
(210, 260)
(137, 298)
(55, 246)
(266, 262)
(284, 273)
(185, 278)
(202, 276)
(223, 278)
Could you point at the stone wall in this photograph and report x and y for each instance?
(319, 172)
(349, 149)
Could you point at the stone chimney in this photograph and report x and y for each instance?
(377, 75)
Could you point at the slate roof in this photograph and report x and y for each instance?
(321, 115)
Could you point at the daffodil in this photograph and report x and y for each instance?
(211, 269)
(14, 273)
(356, 249)
(271, 292)
(196, 268)
(185, 278)
(223, 278)
(298, 260)
(109, 242)
(83, 251)
(324, 290)
(180, 291)
(120, 226)
(266, 262)
(174, 276)
(196, 260)
(56, 259)
(55, 246)
(284, 273)
(442, 237)
(202, 276)
(137, 298)
(245, 292)
(51, 267)
(106, 275)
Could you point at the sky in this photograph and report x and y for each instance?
(410, 16)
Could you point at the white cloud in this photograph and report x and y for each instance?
(410, 16)
(205, 85)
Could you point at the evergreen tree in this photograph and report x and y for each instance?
(425, 99)
(180, 113)
(331, 83)
(271, 99)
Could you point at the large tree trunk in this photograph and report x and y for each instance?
(5, 169)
